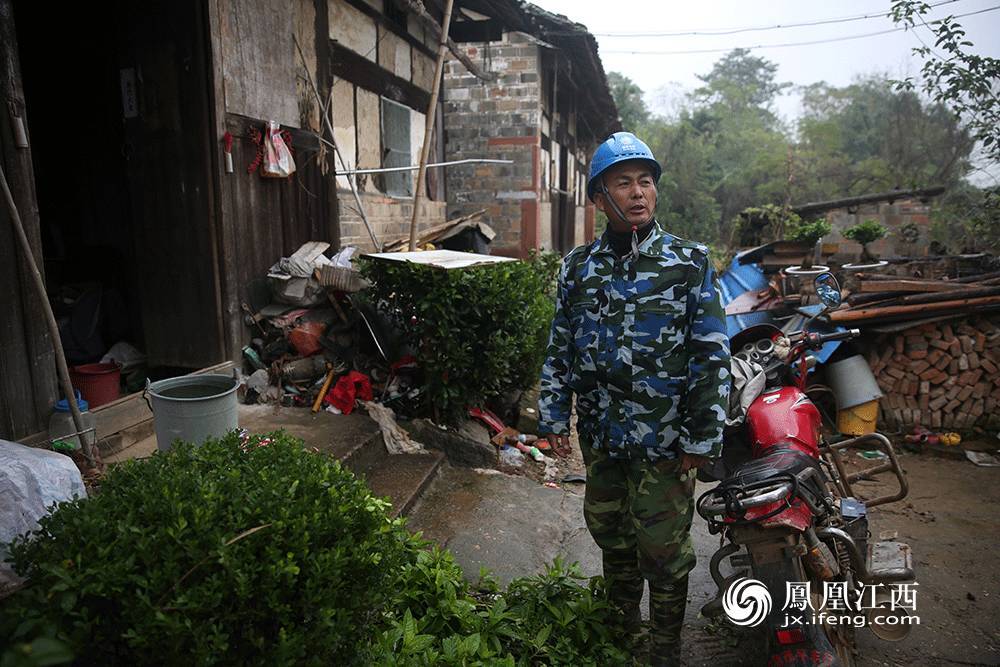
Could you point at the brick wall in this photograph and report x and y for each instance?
(497, 120)
(908, 223)
(389, 217)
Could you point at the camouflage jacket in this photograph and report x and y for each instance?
(643, 346)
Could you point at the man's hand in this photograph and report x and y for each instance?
(560, 444)
(689, 461)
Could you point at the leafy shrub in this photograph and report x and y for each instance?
(271, 555)
(480, 332)
(807, 232)
(254, 553)
(547, 619)
(865, 232)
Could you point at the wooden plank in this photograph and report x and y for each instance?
(893, 311)
(908, 286)
(170, 185)
(259, 75)
(28, 385)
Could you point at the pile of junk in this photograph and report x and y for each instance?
(317, 341)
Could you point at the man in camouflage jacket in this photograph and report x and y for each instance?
(639, 339)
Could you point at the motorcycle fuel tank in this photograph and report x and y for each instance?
(783, 415)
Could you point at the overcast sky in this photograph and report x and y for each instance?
(665, 77)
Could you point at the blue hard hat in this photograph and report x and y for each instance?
(619, 147)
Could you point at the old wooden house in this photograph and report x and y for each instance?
(548, 108)
(113, 140)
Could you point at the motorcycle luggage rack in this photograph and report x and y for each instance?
(892, 465)
(781, 487)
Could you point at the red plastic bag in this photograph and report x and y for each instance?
(348, 390)
(278, 162)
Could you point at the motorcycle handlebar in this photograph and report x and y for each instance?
(818, 340)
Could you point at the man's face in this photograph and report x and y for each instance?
(632, 187)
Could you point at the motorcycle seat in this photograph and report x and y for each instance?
(777, 461)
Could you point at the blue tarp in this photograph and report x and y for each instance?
(740, 278)
(736, 280)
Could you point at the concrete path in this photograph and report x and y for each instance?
(514, 526)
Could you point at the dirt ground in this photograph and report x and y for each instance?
(951, 521)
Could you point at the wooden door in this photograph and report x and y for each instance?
(168, 119)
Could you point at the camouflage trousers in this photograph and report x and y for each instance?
(639, 513)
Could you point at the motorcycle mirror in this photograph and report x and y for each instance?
(828, 290)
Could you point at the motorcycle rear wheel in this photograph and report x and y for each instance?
(840, 636)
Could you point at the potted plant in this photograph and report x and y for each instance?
(865, 233)
(808, 233)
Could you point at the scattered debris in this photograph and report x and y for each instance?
(350, 388)
(511, 456)
(397, 440)
(983, 459)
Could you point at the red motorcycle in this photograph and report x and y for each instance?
(793, 526)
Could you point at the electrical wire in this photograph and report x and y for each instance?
(787, 44)
(734, 31)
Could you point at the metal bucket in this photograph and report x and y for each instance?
(193, 408)
(853, 382)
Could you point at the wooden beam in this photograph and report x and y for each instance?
(324, 83)
(417, 7)
(910, 286)
(855, 315)
(362, 72)
(384, 22)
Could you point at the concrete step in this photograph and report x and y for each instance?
(403, 478)
(354, 439)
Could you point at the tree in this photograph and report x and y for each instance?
(628, 96)
(968, 84)
(955, 76)
(868, 136)
(740, 82)
(865, 233)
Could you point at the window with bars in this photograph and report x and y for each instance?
(396, 148)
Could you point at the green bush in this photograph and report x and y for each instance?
(547, 619)
(204, 555)
(479, 332)
(865, 232)
(807, 232)
(234, 553)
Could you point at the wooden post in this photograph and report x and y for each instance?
(39, 284)
(429, 124)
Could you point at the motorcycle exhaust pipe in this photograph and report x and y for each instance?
(886, 623)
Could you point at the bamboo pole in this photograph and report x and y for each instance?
(61, 368)
(429, 121)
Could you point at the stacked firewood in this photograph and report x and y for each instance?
(940, 375)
